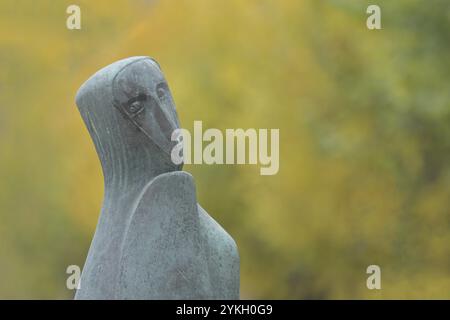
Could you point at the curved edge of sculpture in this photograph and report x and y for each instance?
(153, 240)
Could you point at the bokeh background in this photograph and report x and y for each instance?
(364, 121)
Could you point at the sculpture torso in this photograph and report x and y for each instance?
(153, 241)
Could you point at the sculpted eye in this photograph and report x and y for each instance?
(161, 91)
(136, 105)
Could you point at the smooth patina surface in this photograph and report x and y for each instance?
(153, 240)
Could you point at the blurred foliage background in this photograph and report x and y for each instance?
(364, 137)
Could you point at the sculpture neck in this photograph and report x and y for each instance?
(129, 158)
(128, 169)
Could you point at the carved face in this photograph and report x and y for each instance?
(142, 95)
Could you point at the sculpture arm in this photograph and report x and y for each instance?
(163, 255)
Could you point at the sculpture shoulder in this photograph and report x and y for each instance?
(214, 232)
(223, 257)
(162, 255)
(172, 188)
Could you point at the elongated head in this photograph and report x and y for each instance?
(130, 114)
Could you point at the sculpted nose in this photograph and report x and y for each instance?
(165, 122)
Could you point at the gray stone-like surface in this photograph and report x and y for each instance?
(152, 241)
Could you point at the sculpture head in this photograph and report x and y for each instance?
(142, 95)
(130, 114)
